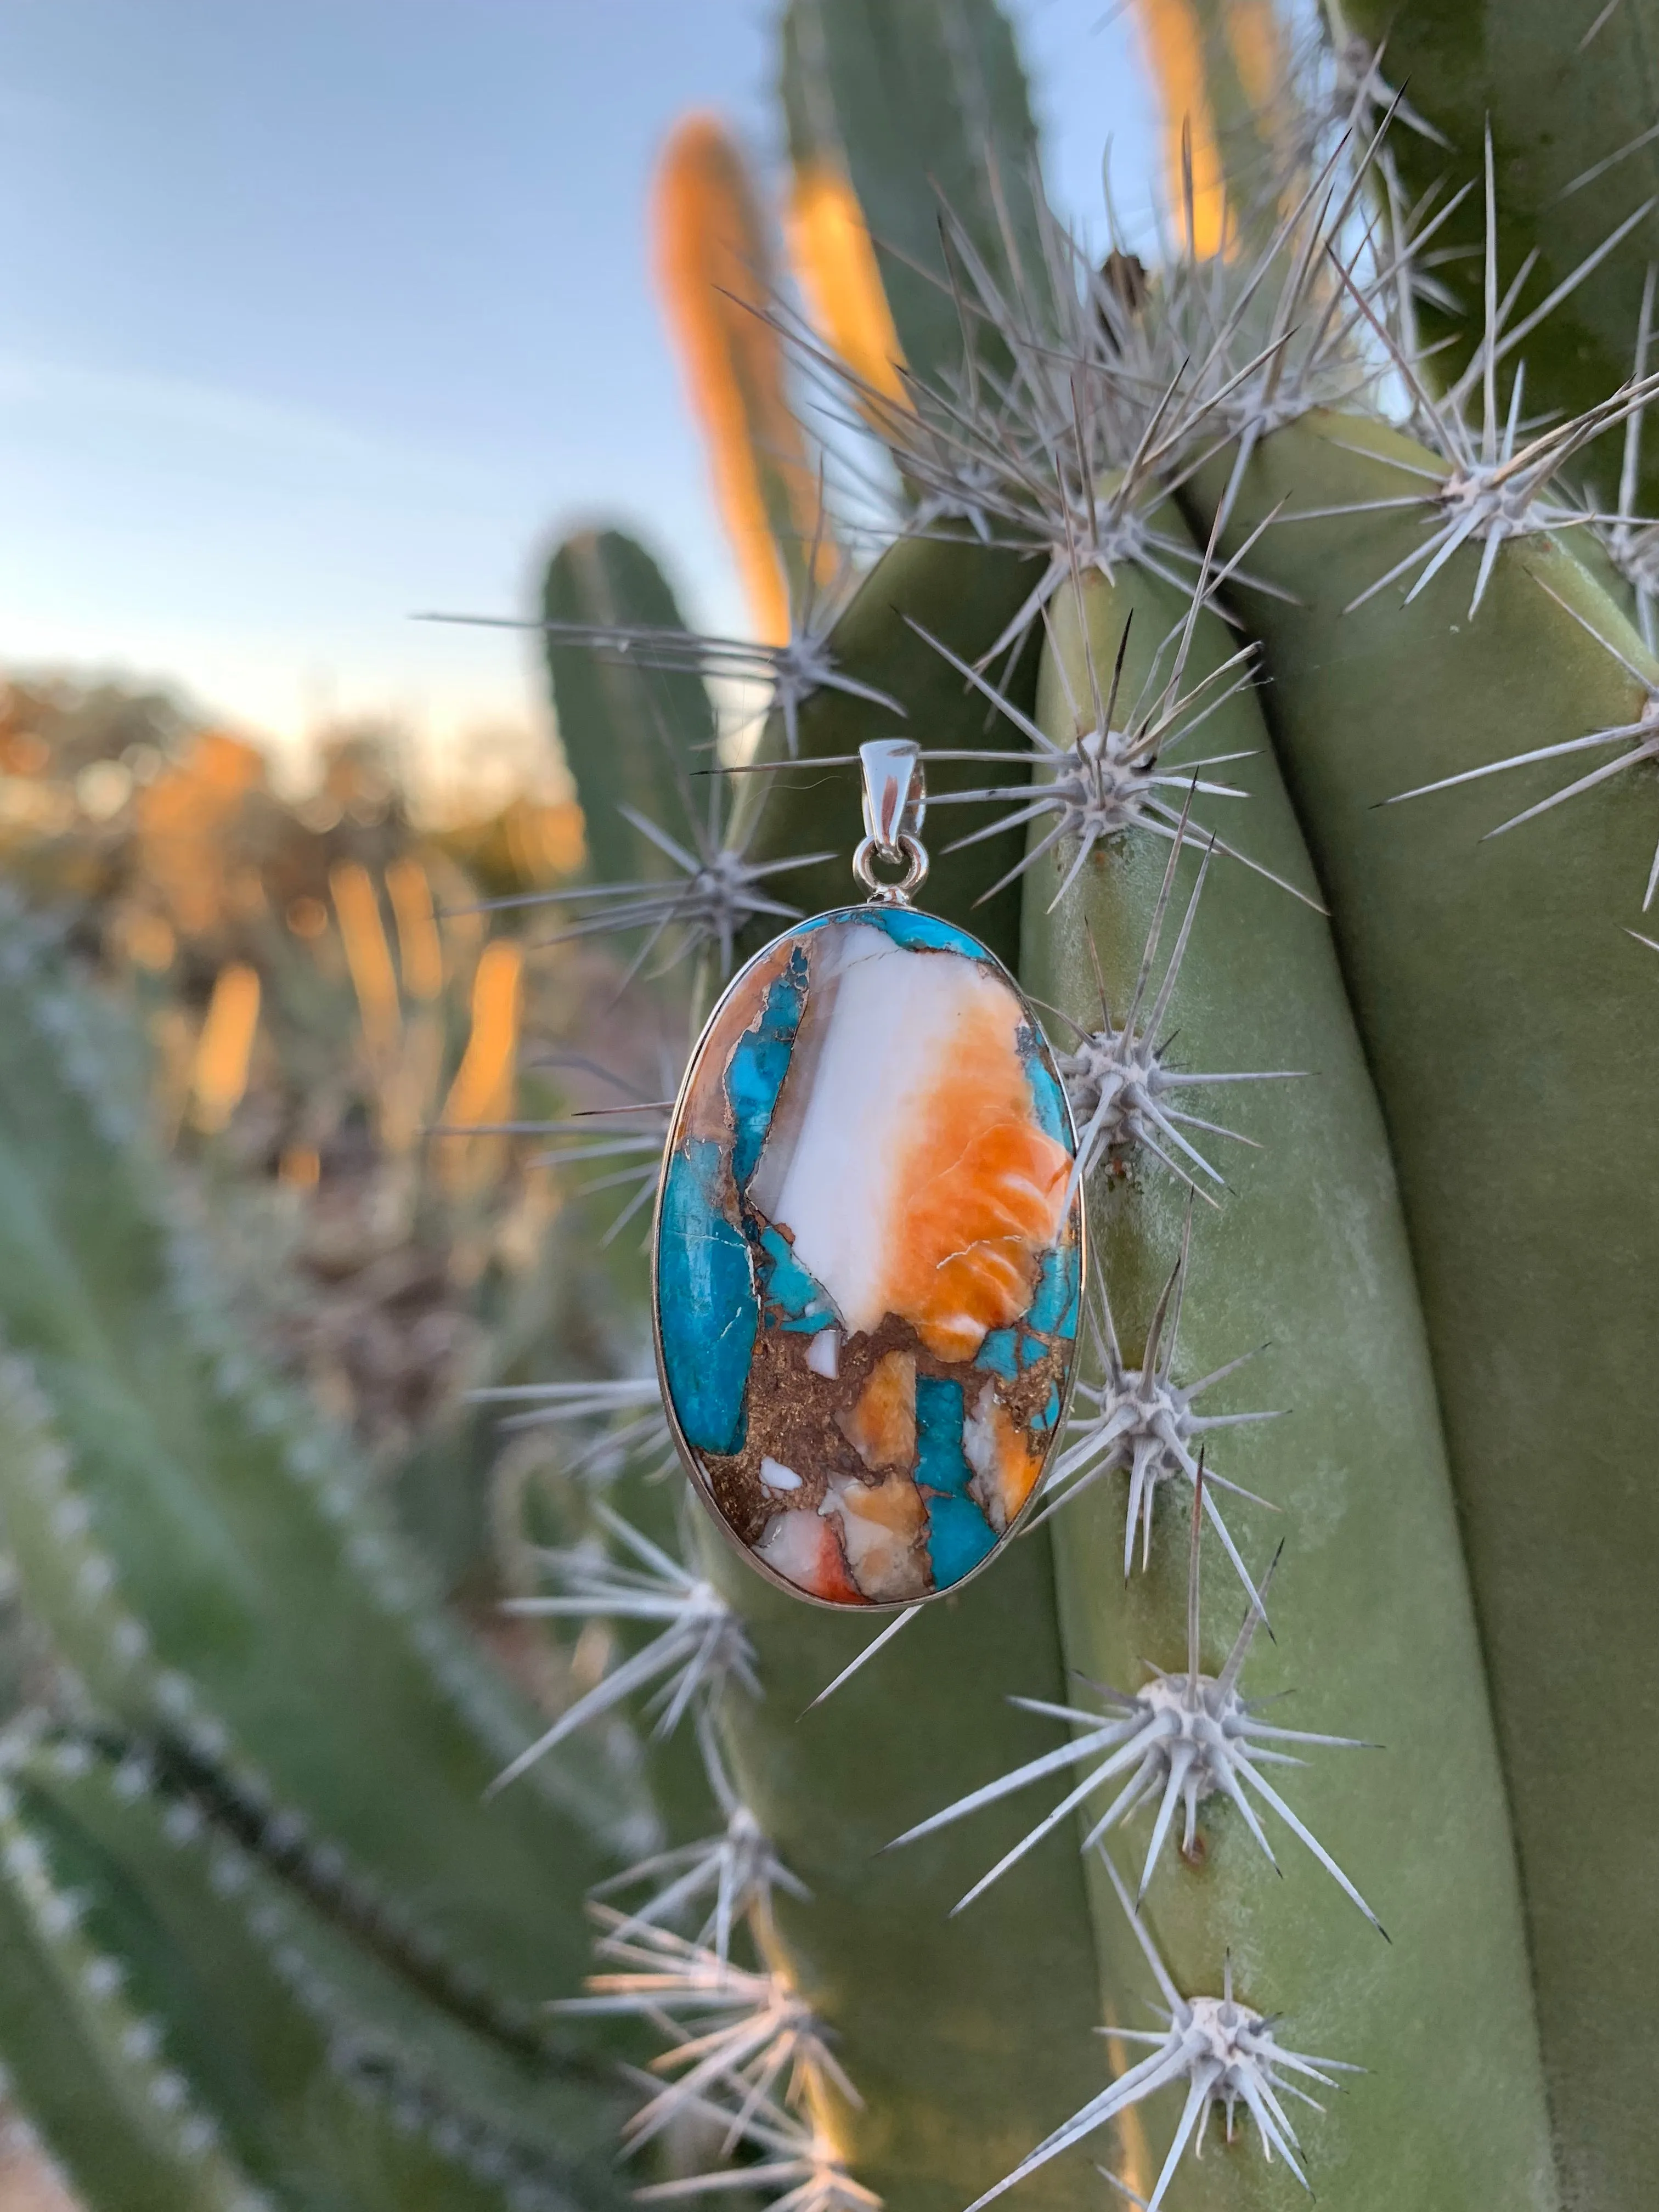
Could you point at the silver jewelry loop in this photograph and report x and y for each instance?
(894, 804)
(909, 849)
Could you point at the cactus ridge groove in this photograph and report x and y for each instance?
(1141, 1421)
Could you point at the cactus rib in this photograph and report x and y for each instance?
(738, 1865)
(1643, 728)
(1488, 977)
(1372, 1612)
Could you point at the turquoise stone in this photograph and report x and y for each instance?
(1048, 1097)
(940, 1461)
(999, 1354)
(959, 1535)
(958, 1538)
(704, 1267)
(1055, 1305)
(789, 1290)
(868, 1264)
(759, 1065)
(924, 932)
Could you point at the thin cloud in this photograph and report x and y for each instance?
(199, 414)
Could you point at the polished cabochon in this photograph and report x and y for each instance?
(867, 1271)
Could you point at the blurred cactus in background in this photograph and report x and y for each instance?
(410, 1800)
(306, 970)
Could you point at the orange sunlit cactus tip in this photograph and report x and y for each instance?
(225, 1049)
(713, 270)
(485, 1083)
(830, 247)
(1174, 41)
(357, 908)
(420, 949)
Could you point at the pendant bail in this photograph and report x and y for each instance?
(894, 804)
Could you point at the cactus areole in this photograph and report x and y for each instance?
(869, 1242)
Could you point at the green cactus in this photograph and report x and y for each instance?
(227, 1604)
(1566, 95)
(630, 729)
(925, 111)
(1173, 608)
(1489, 976)
(1374, 1631)
(1387, 1318)
(325, 2076)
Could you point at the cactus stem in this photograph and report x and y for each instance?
(1645, 729)
(797, 2151)
(1227, 2054)
(702, 1647)
(1498, 342)
(1091, 527)
(1106, 533)
(134, 2045)
(1631, 544)
(1598, 169)
(1603, 17)
(1054, 457)
(940, 449)
(1143, 1420)
(1364, 93)
(379, 2067)
(738, 1865)
(1188, 1737)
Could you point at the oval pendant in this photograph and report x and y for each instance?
(868, 1258)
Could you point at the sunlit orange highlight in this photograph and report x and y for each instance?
(1174, 42)
(219, 1071)
(151, 942)
(987, 1192)
(301, 1168)
(830, 247)
(483, 1087)
(1252, 28)
(367, 955)
(420, 951)
(713, 272)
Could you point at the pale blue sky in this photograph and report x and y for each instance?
(318, 312)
